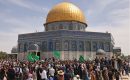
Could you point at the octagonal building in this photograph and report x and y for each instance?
(65, 32)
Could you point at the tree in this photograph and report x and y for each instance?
(3, 55)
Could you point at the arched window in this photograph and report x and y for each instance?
(56, 27)
(78, 27)
(44, 46)
(94, 45)
(25, 47)
(88, 46)
(50, 46)
(57, 45)
(66, 45)
(53, 27)
(22, 47)
(60, 26)
(71, 26)
(101, 45)
(107, 47)
(81, 46)
(73, 45)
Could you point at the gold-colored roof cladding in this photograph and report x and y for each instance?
(65, 12)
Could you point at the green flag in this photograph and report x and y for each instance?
(81, 58)
(29, 57)
(36, 58)
(32, 57)
(56, 54)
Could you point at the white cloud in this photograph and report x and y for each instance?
(109, 17)
(25, 4)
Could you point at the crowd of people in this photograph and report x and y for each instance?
(53, 69)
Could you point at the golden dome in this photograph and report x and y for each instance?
(65, 12)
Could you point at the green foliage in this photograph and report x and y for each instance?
(3, 55)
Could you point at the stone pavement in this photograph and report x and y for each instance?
(125, 77)
(122, 78)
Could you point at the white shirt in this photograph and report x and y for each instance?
(18, 69)
(27, 70)
(43, 74)
(30, 77)
(76, 78)
(51, 71)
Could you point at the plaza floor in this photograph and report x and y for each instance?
(125, 77)
(122, 77)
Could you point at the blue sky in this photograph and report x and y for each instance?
(25, 16)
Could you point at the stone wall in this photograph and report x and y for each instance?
(67, 55)
(70, 25)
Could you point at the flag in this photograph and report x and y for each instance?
(32, 57)
(81, 58)
(56, 54)
(29, 57)
(36, 58)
